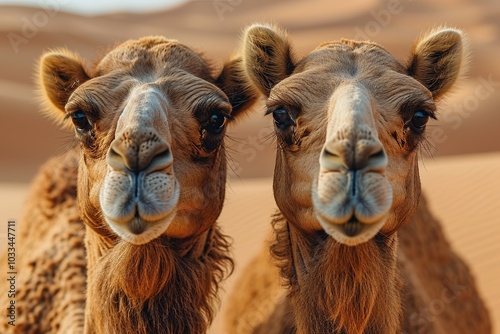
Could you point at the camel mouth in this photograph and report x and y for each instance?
(352, 232)
(352, 210)
(139, 207)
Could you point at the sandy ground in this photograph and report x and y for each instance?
(468, 122)
(463, 183)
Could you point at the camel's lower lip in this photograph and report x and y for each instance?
(139, 231)
(352, 228)
(137, 225)
(351, 232)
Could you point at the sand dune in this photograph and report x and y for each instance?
(215, 31)
(464, 194)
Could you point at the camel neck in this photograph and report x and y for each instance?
(165, 286)
(336, 288)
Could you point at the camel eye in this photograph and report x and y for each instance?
(216, 123)
(419, 121)
(80, 121)
(282, 119)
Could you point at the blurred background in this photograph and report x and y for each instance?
(462, 179)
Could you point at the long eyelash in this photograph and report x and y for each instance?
(68, 142)
(426, 146)
(227, 116)
(231, 162)
(281, 142)
(269, 111)
(270, 137)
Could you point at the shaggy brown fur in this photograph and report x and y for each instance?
(51, 263)
(451, 304)
(320, 273)
(175, 286)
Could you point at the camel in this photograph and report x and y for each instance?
(120, 233)
(350, 122)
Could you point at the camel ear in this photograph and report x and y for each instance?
(267, 56)
(60, 73)
(234, 82)
(438, 59)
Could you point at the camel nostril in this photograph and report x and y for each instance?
(161, 160)
(377, 155)
(377, 161)
(337, 156)
(330, 155)
(332, 161)
(116, 160)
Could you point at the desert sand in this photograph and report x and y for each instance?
(462, 180)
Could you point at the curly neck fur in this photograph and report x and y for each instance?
(165, 286)
(335, 288)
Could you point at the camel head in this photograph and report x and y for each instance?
(349, 121)
(150, 119)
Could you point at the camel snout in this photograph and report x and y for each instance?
(140, 191)
(352, 196)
